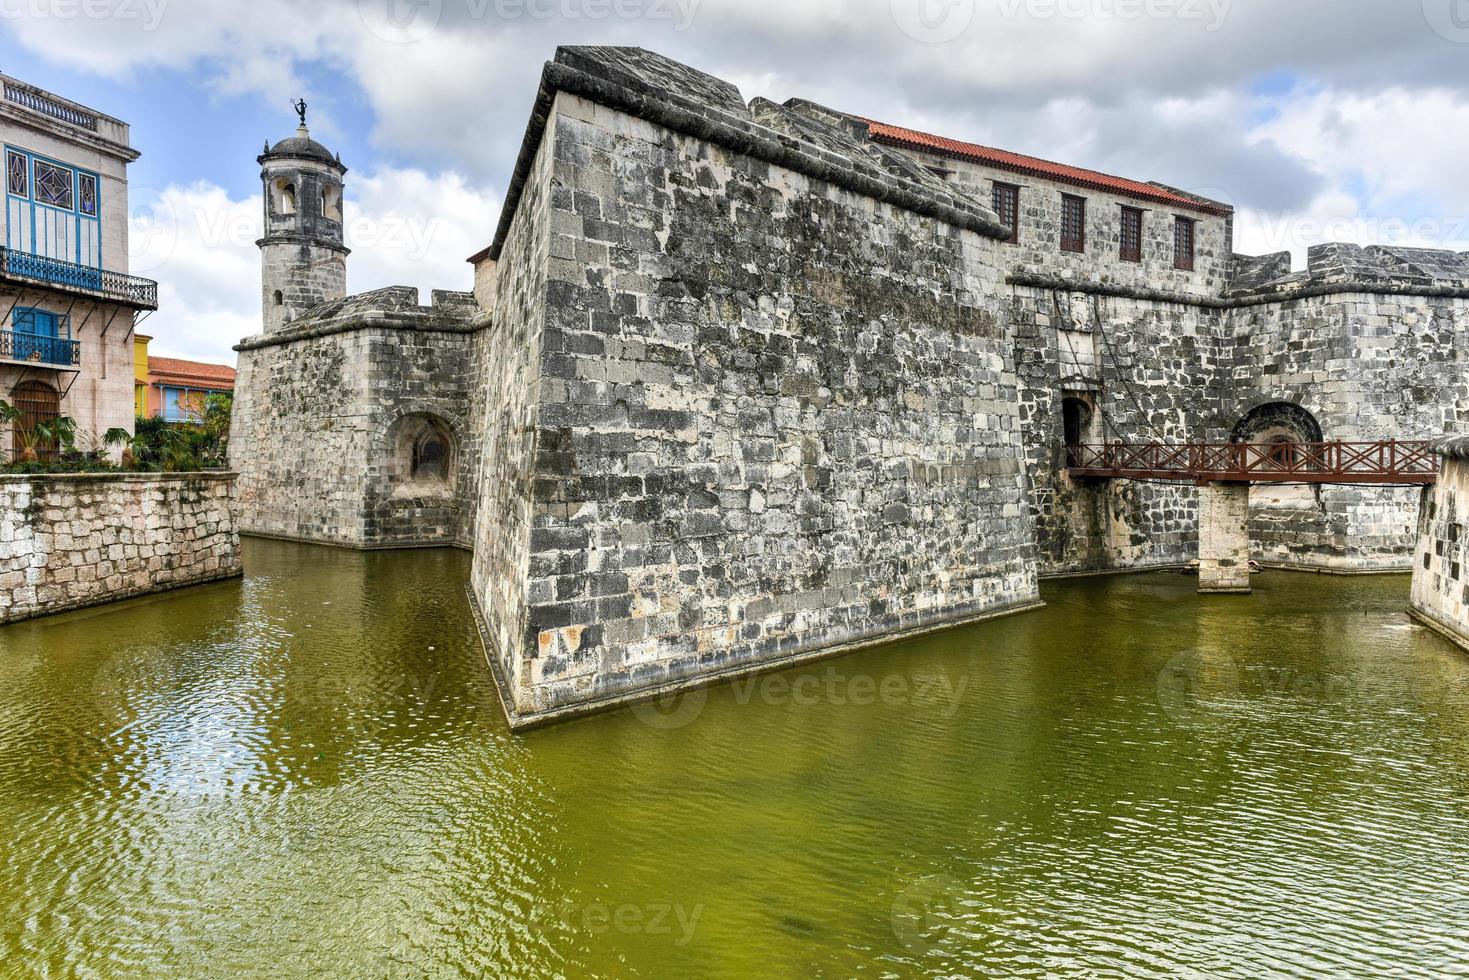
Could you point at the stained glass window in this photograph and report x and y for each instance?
(15, 174)
(87, 189)
(53, 185)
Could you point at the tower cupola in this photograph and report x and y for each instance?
(303, 255)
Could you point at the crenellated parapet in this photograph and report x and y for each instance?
(1343, 267)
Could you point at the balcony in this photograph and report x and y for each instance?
(40, 350)
(82, 280)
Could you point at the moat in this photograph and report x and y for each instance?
(307, 773)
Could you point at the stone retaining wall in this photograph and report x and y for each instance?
(78, 540)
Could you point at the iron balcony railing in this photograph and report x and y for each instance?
(74, 278)
(1383, 461)
(16, 345)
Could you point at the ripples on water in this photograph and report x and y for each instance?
(307, 773)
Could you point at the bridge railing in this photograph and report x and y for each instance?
(1382, 461)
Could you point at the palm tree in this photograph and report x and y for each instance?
(124, 438)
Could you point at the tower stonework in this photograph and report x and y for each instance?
(302, 256)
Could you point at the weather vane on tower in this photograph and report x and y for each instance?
(300, 106)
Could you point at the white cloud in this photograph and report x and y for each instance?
(405, 227)
(1383, 156)
(1165, 95)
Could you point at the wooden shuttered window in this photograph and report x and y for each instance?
(1073, 223)
(1007, 206)
(1131, 248)
(1183, 244)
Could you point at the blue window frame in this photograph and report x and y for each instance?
(172, 410)
(41, 335)
(183, 404)
(53, 210)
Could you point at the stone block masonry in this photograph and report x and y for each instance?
(324, 415)
(1441, 570)
(748, 416)
(742, 384)
(1224, 538)
(68, 541)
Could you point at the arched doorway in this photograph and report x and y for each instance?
(423, 453)
(37, 402)
(1278, 428)
(1076, 417)
(1276, 422)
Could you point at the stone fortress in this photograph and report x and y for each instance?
(744, 384)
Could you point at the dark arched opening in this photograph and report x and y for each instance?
(430, 456)
(424, 453)
(1277, 422)
(1278, 430)
(1076, 416)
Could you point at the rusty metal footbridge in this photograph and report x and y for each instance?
(1387, 462)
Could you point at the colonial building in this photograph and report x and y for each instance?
(179, 389)
(68, 303)
(743, 383)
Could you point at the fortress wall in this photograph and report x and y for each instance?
(1150, 369)
(775, 418)
(299, 437)
(1367, 366)
(417, 375)
(319, 412)
(1151, 372)
(507, 357)
(1038, 245)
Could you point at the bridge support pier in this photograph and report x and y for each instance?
(1224, 538)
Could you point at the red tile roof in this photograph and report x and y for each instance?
(192, 369)
(1035, 166)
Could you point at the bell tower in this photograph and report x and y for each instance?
(303, 261)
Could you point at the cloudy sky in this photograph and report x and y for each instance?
(1318, 119)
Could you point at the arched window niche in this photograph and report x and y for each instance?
(331, 202)
(284, 196)
(424, 454)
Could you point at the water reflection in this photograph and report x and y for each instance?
(306, 772)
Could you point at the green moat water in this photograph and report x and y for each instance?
(306, 773)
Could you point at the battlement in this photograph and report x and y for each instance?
(800, 136)
(395, 307)
(1343, 267)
